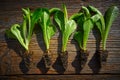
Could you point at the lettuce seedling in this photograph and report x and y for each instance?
(23, 33)
(67, 27)
(104, 24)
(48, 30)
(85, 24)
(110, 16)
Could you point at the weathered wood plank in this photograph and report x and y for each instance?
(61, 77)
(10, 13)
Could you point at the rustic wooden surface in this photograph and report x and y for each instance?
(62, 77)
(11, 61)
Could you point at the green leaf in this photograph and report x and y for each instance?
(76, 16)
(87, 27)
(53, 10)
(99, 26)
(26, 11)
(65, 13)
(24, 29)
(45, 18)
(24, 32)
(80, 21)
(86, 11)
(69, 29)
(78, 36)
(15, 30)
(110, 15)
(32, 20)
(94, 10)
(85, 23)
(36, 16)
(59, 18)
(95, 18)
(44, 24)
(51, 31)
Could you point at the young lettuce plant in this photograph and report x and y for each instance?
(23, 33)
(67, 27)
(104, 24)
(48, 30)
(85, 24)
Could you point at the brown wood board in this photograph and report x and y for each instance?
(11, 62)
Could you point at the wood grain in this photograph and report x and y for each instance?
(10, 13)
(62, 77)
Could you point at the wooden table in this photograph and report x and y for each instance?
(12, 68)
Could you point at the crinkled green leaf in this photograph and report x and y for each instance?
(23, 33)
(15, 29)
(69, 29)
(100, 23)
(78, 36)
